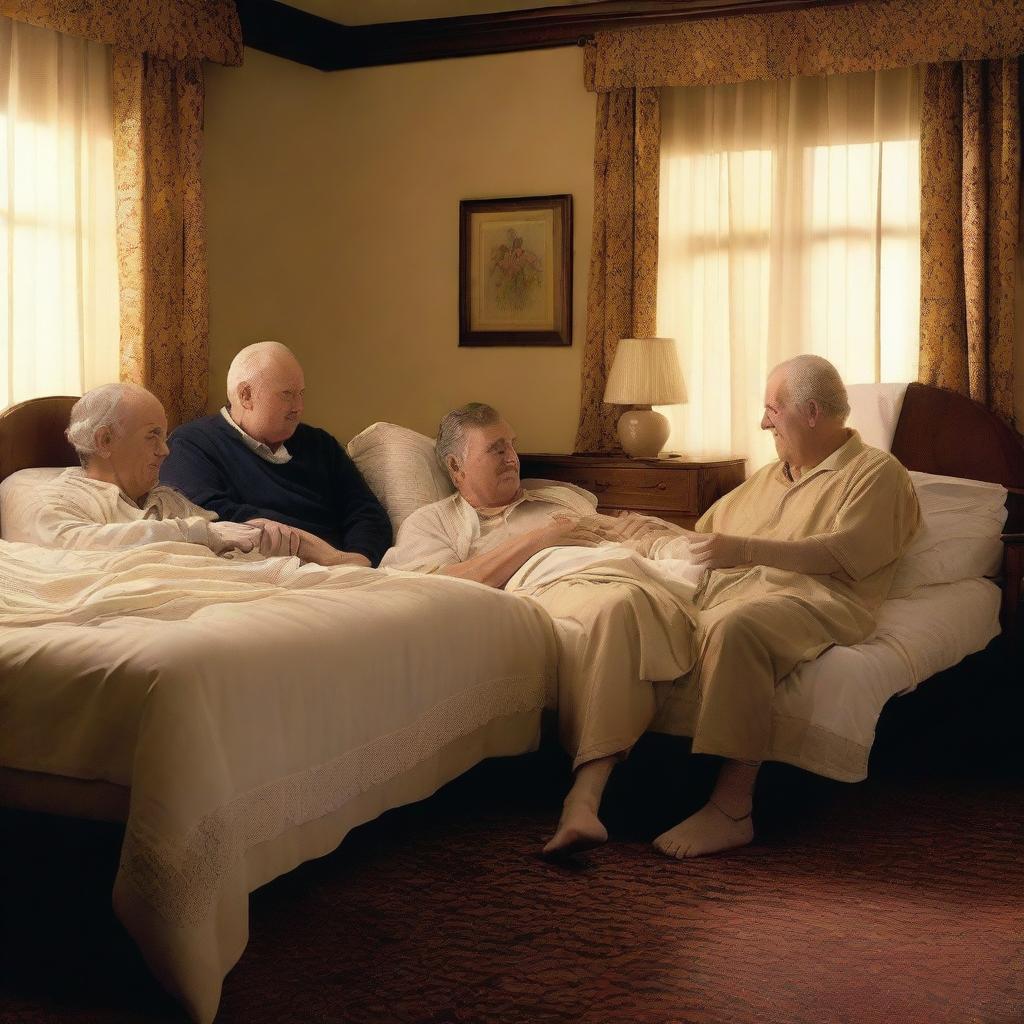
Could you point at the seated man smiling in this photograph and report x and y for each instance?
(796, 559)
(113, 500)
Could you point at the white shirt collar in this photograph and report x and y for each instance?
(279, 458)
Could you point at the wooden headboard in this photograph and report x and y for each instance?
(944, 433)
(32, 434)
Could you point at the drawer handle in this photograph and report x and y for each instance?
(600, 486)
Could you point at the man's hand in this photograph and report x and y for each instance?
(227, 536)
(567, 531)
(276, 539)
(629, 526)
(717, 550)
(316, 549)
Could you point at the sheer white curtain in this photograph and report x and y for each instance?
(58, 257)
(789, 224)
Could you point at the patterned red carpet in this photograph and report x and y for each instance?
(897, 900)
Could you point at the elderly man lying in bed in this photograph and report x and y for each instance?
(119, 433)
(796, 559)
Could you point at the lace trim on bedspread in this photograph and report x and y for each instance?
(181, 879)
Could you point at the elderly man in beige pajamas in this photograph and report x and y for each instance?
(795, 560)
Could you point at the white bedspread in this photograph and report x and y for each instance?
(246, 705)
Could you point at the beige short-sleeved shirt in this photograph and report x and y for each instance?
(859, 503)
(451, 530)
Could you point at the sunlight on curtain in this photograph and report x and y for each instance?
(58, 256)
(789, 223)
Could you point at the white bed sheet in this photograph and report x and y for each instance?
(257, 711)
(826, 710)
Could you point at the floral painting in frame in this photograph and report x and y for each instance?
(515, 271)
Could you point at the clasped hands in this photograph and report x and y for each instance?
(707, 550)
(272, 539)
(590, 531)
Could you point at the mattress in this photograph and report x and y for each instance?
(826, 710)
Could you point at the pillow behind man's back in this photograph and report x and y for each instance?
(400, 466)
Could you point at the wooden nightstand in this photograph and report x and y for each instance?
(671, 488)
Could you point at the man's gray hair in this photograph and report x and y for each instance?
(251, 361)
(451, 434)
(98, 408)
(813, 378)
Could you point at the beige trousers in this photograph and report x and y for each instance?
(747, 646)
(614, 639)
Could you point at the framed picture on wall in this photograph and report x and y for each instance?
(515, 271)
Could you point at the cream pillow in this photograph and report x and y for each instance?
(961, 521)
(401, 468)
(875, 411)
(16, 494)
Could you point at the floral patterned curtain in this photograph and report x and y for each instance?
(158, 48)
(970, 220)
(622, 294)
(872, 35)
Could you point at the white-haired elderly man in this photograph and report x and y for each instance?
(112, 500)
(795, 560)
(256, 462)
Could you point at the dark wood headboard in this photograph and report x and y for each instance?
(945, 433)
(32, 434)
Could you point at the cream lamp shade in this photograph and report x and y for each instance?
(645, 371)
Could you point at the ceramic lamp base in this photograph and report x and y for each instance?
(643, 433)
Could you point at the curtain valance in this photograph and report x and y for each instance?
(871, 35)
(172, 30)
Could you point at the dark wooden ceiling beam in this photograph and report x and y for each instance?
(296, 35)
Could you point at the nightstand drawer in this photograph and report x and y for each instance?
(650, 489)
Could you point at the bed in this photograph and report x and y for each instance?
(150, 719)
(239, 719)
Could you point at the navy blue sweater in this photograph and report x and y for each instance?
(319, 490)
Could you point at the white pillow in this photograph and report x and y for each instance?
(15, 494)
(875, 411)
(961, 521)
(401, 468)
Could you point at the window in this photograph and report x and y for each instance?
(58, 258)
(789, 223)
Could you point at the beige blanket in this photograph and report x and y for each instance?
(257, 711)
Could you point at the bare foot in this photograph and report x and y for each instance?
(579, 829)
(710, 830)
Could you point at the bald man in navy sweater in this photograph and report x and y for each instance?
(255, 462)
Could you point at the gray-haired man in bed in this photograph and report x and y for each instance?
(113, 500)
(796, 559)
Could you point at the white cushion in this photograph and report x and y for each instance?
(961, 521)
(401, 468)
(875, 411)
(15, 494)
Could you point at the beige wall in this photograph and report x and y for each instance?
(333, 226)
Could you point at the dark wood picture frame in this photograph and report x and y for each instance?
(539, 283)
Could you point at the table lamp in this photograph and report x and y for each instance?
(645, 371)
